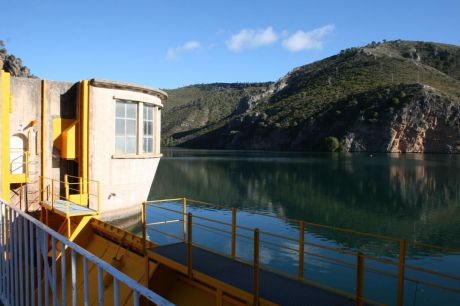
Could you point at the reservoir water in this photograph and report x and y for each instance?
(408, 196)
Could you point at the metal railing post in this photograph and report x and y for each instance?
(402, 261)
(80, 185)
(184, 217)
(359, 279)
(301, 248)
(66, 186)
(52, 194)
(144, 243)
(233, 232)
(255, 271)
(189, 245)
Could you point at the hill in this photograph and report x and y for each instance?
(12, 64)
(398, 96)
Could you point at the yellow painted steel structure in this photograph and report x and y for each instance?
(5, 104)
(83, 157)
(43, 137)
(359, 265)
(65, 137)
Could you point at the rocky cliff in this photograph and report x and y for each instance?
(398, 96)
(12, 64)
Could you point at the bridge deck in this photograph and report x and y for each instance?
(68, 208)
(273, 287)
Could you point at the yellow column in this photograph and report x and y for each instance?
(43, 141)
(5, 100)
(84, 134)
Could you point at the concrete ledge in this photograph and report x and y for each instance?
(136, 156)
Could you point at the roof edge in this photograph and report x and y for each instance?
(129, 86)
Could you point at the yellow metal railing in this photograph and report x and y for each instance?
(53, 190)
(359, 263)
(21, 164)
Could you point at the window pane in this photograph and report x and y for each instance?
(120, 110)
(149, 129)
(131, 110)
(119, 127)
(131, 145)
(150, 142)
(145, 112)
(120, 145)
(148, 145)
(130, 127)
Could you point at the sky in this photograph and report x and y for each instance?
(168, 44)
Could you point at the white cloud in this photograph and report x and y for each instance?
(300, 40)
(250, 39)
(175, 53)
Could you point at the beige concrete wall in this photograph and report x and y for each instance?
(125, 180)
(27, 108)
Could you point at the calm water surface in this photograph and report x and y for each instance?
(410, 196)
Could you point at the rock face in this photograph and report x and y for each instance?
(398, 96)
(13, 64)
(427, 122)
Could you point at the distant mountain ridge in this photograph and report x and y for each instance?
(396, 96)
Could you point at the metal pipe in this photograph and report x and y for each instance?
(63, 276)
(116, 292)
(2, 250)
(189, 245)
(26, 262)
(74, 277)
(39, 267)
(54, 271)
(85, 281)
(100, 286)
(16, 260)
(184, 216)
(144, 244)
(233, 232)
(360, 279)
(136, 298)
(301, 248)
(255, 268)
(45, 267)
(66, 186)
(32, 257)
(402, 261)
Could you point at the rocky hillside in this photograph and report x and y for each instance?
(12, 64)
(398, 96)
(190, 110)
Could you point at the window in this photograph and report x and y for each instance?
(126, 128)
(147, 145)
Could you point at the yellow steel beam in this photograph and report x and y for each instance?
(5, 101)
(84, 134)
(43, 138)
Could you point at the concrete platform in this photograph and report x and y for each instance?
(273, 287)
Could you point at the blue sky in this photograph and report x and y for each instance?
(168, 44)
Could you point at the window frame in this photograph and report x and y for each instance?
(126, 119)
(140, 150)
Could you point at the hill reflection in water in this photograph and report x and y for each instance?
(402, 195)
(410, 196)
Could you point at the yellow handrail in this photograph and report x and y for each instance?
(360, 257)
(53, 183)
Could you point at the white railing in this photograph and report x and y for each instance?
(28, 277)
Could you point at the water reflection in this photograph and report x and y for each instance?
(410, 196)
